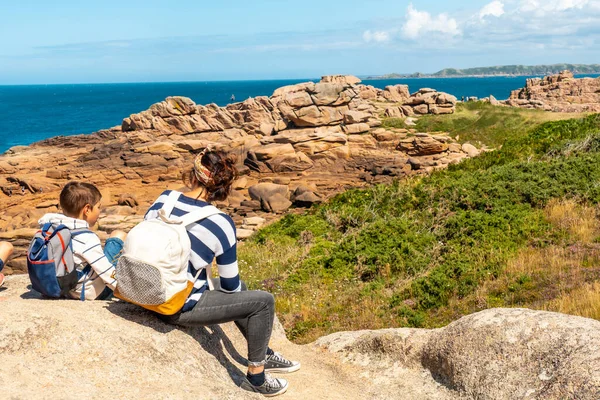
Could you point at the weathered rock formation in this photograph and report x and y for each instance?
(128, 353)
(425, 101)
(560, 93)
(311, 139)
(494, 354)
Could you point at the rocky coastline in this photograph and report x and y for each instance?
(298, 147)
(558, 93)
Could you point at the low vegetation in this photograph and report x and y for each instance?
(513, 227)
(482, 124)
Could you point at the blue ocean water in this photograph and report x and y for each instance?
(30, 113)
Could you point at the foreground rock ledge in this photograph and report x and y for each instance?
(103, 350)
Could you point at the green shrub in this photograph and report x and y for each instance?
(414, 246)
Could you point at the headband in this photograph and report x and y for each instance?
(202, 173)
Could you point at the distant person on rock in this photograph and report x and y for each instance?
(81, 204)
(209, 179)
(22, 189)
(6, 250)
(232, 99)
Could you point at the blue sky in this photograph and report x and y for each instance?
(139, 41)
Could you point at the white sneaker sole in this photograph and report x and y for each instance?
(247, 386)
(284, 370)
(282, 391)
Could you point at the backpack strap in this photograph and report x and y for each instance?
(209, 277)
(79, 231)
(44, 230)
(199, 215)
(170, 202)
(86, 270)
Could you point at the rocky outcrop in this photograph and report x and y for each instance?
(128, 353)
(425, 101)
(494, 354)
(324, 136)
(560, 93)
(64, 349)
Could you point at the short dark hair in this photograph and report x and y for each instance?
(75, 195)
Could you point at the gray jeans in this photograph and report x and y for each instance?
(251, 310)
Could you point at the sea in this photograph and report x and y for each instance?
(29, 113)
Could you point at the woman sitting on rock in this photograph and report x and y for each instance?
(253, 311)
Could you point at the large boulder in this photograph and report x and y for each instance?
(396, 93)
(273, 150)
(356, 117)
(266, 190)
(422, 145)
(496, 354)
(330, 94)
(429, 101)
(297, 161)
(322, 144)
(519, 353)
(277, 203)
(341, 79)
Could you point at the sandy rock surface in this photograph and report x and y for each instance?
(65, 349)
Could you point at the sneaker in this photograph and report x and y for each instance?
(1, 279)
(271, 387)
(277, 363)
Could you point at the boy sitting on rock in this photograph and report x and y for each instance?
(81, 203)
(6, 250)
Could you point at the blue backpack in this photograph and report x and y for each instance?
(50, 262)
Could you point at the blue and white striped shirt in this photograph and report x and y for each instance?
(212, 237)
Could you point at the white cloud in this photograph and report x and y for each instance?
(521, 25)
(494, 9)
(562, 5)
(376, 36)
(421, 22)
(552, 5)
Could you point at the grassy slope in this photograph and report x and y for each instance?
(481, 123)
(423, 252)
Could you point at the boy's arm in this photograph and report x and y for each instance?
(94, 255)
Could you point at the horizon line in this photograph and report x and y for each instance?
(362, 77)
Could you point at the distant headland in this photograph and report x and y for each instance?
(503, 70)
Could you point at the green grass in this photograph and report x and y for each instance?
(412, 253)
(482, 123)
